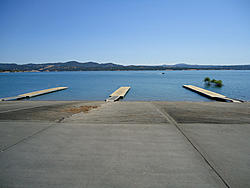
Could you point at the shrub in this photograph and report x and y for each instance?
(217, 83)
(207, 79)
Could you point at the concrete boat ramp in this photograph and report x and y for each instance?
(122, 144)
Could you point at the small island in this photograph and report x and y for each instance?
(217, 83)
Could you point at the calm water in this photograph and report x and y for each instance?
(146, 85)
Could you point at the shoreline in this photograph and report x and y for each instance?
(121, 100)
(35, 71)
(179, 108)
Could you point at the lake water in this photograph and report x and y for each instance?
(145, 85)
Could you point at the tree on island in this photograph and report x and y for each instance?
(207, 80)
(217, 83)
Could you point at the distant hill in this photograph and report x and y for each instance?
(67, 66)
(207, 67)
(93, 66)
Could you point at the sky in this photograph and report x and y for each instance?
(148, 32)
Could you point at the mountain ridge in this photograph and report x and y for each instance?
(94, 66)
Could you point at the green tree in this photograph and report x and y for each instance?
(207, 79)
(213, 81)
(218, 83)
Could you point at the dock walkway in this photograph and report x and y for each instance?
(210, 94)
(118, 94)
(33, 94)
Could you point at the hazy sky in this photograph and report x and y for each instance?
(125, 31)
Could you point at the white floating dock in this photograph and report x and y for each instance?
(33, 94)
(210, 94)
(118, 94)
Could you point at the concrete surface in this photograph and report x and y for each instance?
(122, 112)
(95, 155)
(15, 131)
(206, 112)
(8, 106)
(124, 144)
(226, 146)
(40, 110)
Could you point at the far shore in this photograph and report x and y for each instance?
(127, 70)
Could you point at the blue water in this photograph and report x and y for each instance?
(145, 85)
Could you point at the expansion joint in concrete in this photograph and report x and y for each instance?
(26, 138)
(173, 122)
(27, 108)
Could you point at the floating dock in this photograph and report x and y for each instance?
(118, 94)
(210, 94)
(33, 94)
